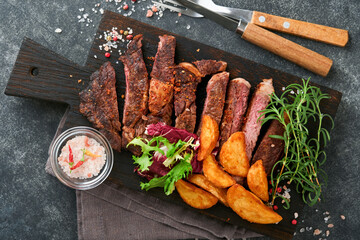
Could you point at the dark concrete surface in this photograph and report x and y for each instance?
(34, 205)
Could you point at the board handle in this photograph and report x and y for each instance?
(316, 32)
(287, 49)
(43, 74)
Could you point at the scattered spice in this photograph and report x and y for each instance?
(126, 7)
(198, 50)
(129, 37)
(294, 222)
(149, 13)
(107, 54)
(327, 233)
(79, 81)
(317, 232)
(58, 30)
(275, 207)
(330, 225)
(154, 8)
(342, 217)
(70, 76)
(122, 96)
(296, 215)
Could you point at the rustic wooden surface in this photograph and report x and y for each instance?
(52, 82)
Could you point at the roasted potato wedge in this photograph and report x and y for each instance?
(250, 207)
(208, 137)
(214, 173)
(257, 180)
(195, 196)
(201, 181)
(233, 155)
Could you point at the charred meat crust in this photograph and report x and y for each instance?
(137, 88)
(215, 98)
(270, 150)
(235, 108)
(162, 80)
(259, 101)
(207, 67)
(98, 102)
(187, 77)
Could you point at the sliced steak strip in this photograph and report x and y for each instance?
(98, 102)
(187, 77)
(162, 81)
(252, 126)
(137, 88)
(270, 150)
(215, 98)
(207, 67)
(235, 108)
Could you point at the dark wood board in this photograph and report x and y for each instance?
(51, 81)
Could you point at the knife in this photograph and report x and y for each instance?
(265, 39)
(316, 32)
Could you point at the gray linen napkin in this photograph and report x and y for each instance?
(111, 212)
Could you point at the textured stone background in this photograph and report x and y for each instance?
(34, 205)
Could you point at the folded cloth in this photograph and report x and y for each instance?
(110, 211)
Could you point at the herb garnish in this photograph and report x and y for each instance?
(178, 158)
(303, 155)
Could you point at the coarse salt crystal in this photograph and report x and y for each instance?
(296, 215)
(330, 225)
(327, 233)
(302, 230)
(95, 56)
(188, 26)
(317, 232)
(342, 217)
(58, 30)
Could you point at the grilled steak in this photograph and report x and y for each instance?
(252, 126)
(235, 108)
(98, 102)
(270, 150)
(187, 77)
(215, 99)
(207, 67)
(162, 81)
(137, 88)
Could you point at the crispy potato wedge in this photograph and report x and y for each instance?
(194, 196)
(201, 181)
(214, 173)
(208, 137)
(257, 181)
(250, 207)
(233, 155)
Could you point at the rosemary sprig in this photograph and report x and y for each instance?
(303, 149)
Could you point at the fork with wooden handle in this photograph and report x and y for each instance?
(276, 44)
(316, 32)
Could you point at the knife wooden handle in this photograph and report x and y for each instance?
(287, 49)
(321, 33)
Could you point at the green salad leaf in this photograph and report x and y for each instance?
(178, 158)
(179, 171)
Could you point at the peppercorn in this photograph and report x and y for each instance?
(126, 33)
(129, 37)
(121, 31)
(107, 54)
(275, 207)
(294, 222)
(115, 39)
(126, 7)
(278, 189)
(108, 38)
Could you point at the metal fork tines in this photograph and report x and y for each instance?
(178, 8)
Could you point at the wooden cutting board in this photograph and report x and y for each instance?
(42, 74)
